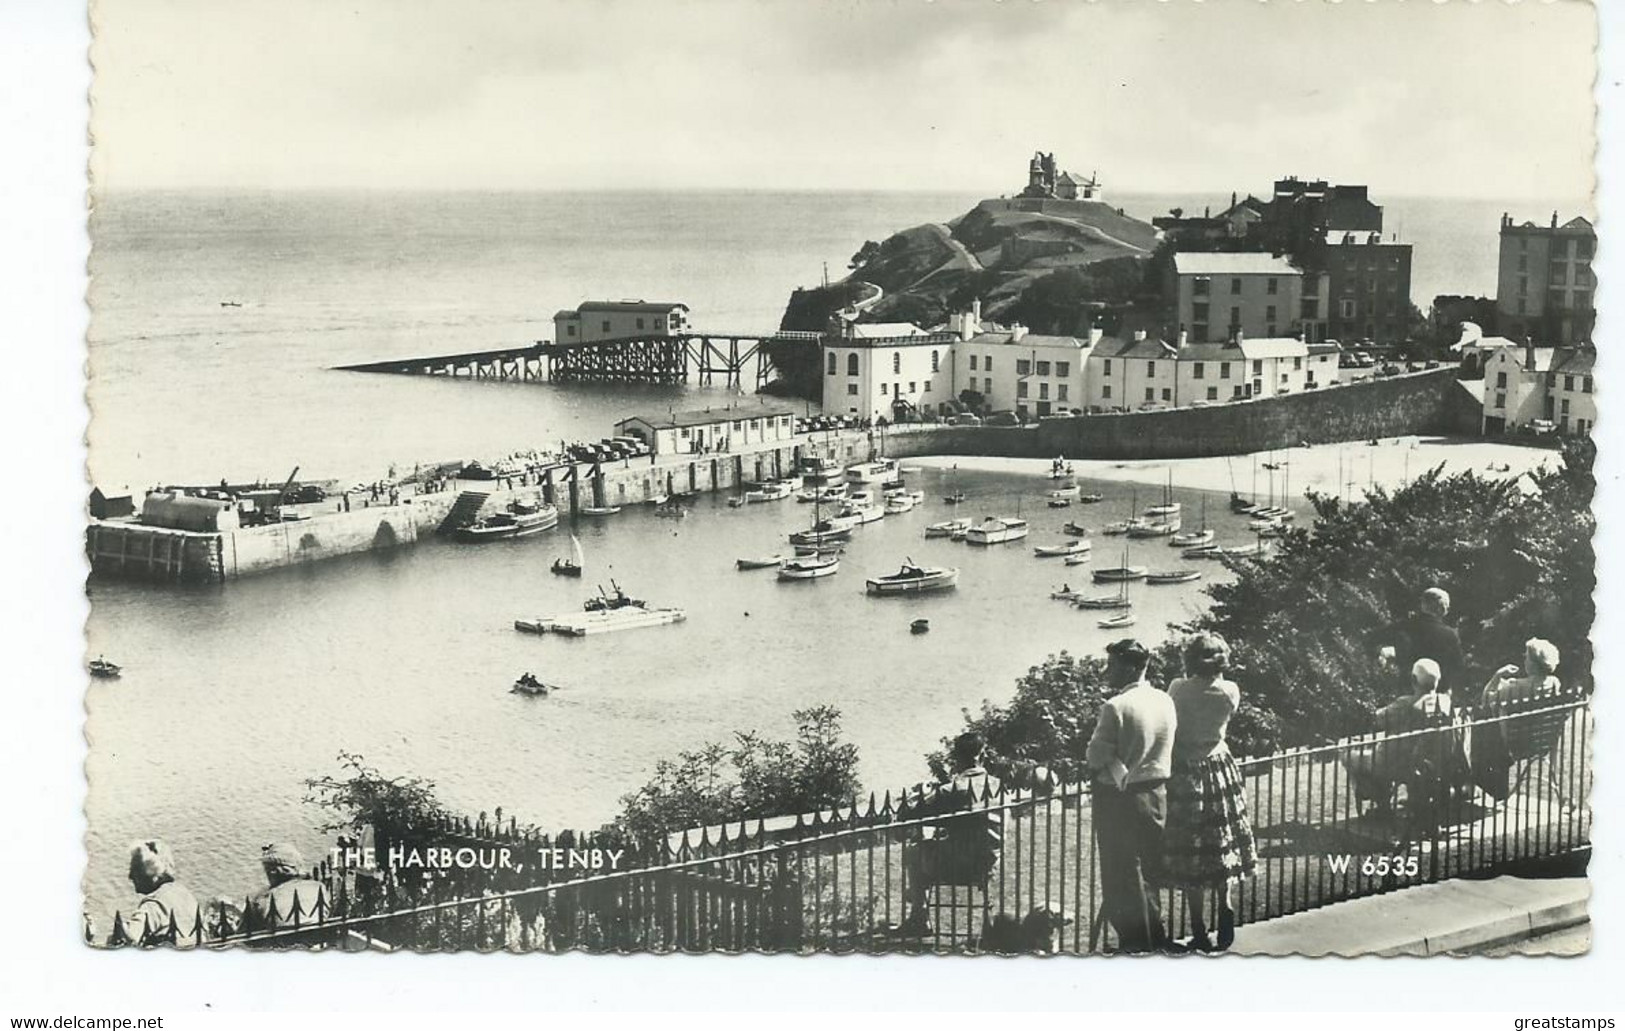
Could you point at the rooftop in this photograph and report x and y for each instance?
(709, 416)
(634, 306)
(1232, 263)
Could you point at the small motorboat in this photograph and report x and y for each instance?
(1173, 576)
(765, 562)
(529, 685)
(1072, 529)
(862, 513)
(1122, 619)
(809, 567)
(1118, 528)
(1065, 493)
(830, 493)
(960, 532)
(947, 527)
(1162, 511)
(1059, 503)
(1072, 547)
(104, 670)
(1066, 593)
(600, 510)
(898, 502)
(565, 567)
(1078, 559)
(1091, 499)
(1247, 550)
(1193, 539)
(883, 470)
(657, 499)
(736, 502)
(996, 530)
(920, 626)
(957, 497)
(913, 579)
(825, 531)
(1159, 528)
(776, 491)
(513, 523)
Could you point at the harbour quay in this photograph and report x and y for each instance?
(178, 538)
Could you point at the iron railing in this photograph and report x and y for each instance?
(1012, 870)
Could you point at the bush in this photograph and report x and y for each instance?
(397, 809)
(753, 777)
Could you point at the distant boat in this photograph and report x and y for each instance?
(1065, 492)
(1066, 593)
(862, 512)
(824, 548)
(776, 491)
(1090, 499)
(1120, 574)
(104, 670)
(600, 510)
(529, 685)
(920, 626)
(1193, 539)
(1158, 528)
(1059, 503)
(766, 562)
(996, 530)
(1168, 507)
(1078, 558)
(947, 527)
(913, 579)
(1204, 551)
(1072, 529)
(1072, 547)
(819, 470)
(953, 499)
(881, 470)
(1122, 619)
(838, 529)
(509, 524)
(898, 502)
(231, 304)
(657, 499)
(830, 492)
(568, 567)
(1173, 576)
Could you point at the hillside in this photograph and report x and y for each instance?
(998, 252)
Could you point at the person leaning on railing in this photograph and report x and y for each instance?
(1208, 844)
(965, 849)
(167, 913)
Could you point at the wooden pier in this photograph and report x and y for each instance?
(735, 357)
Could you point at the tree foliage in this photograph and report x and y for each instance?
(752, 777)
(1065, 301)
(395, 808)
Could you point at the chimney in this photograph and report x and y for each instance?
(1528, 353)
(1139, 335)
(1184, 338)
(1554, 220)
(976, 312)
(1232, 198)
(1096, 334)
(1017, 332)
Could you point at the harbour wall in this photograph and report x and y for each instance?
(1431, 402)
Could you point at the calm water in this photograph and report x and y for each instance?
(234, 695)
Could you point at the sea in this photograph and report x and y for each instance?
(217, 321)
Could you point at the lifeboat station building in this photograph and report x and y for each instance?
(712, 430)
(593, 321)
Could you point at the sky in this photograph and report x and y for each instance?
(1418, 98)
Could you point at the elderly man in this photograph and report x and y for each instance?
(292, 900)
(167, 913)
(1129, 758)
(1424, 635)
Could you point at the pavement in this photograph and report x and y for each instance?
(1459, 916)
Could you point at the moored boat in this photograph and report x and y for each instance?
(913, 579)
(1077, 558)
(1192, 539)
(1058, 503)
(1105, 601)
(996, 530)
(1204, 551)
(527, 684)
(862, 513)
(632, 617)
(564, 567)
(1067, 493)
(765, 562)
(1091, 499)
(104, 670)
(1072, 547)
(1122, 619)
(600, 510)
(953, 499)
(777, 490)
(881, 470)
(1118, 574)
(512, 523)
(1072, 529)
(1157, 528)
(820, 470)
(1173, 576)
(898, 502)
(947, 527)
(920, 626)
(809, 567)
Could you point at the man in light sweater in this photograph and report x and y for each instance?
(1129, 758)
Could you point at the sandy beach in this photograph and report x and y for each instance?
(1390, 463)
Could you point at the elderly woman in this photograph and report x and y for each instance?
(292, 900)
(1208, 843)
(1507, 689)
(167, 913)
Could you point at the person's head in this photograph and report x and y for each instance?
(1539, 657)
(1425, 676)
(1206, 655)
(1436, 601)
(152, 865)
(966, 751)
(1126, 661)
(281, 863)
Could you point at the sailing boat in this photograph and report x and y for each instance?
(1245, 507)
(818, 564)
(1120, 599)
(1195, 538)
(1169, 506)
(568, 567)
(1119, 574)
(1119, 528)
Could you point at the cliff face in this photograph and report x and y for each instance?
(998, 252)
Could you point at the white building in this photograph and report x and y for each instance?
(875, 369)
(1523, 385)
(1142, 371)
(619, 320)
(1032, 374)
(709, 430)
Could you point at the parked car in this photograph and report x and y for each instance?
(966, 419)
(1543, 426)
(1003, 419)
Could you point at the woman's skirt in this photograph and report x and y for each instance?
(1208, 839)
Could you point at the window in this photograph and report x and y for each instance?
(1202, 286)
(832, 363)
(973, 363)
(1108, 369)
(1297, 365)
(882, 389)
(1345, 307)
(1043, 368)
(927, 389)
(1235, 319)
(1198, 371)
(1583, 247)
(1565, 406)
(606, 325)
(1271, 284)
(1060, 392)
(1560, 274)
(640, 323)
(1586, 384)
(1150, 394)
(1523, 285)
(1224, 370)
(1568, 382)
(1106, 392)
(1063, 369)
(934, 366)
(1235, 287)
(1258, 367)
(987, 363)
(1167, 395)
(1269, 313)
(684, 434)
(1500, 381)
(1521, 310)
(852, 364)
(1199, 312)
(1212, 393)
(570, 330)
(1500, 400)
(852, 389)
(1023, 366)
(1237, 391)
(1043, 391)
(1151, 370)
(1310, 309)
(1523, 263)
(912, 386)
(1021, 388)
(987, 387)
(1269, 330)
(739, 424)
(1582, 300)
(896, 362)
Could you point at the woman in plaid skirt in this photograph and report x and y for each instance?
(1208, 844)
